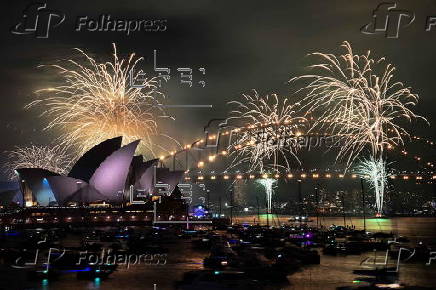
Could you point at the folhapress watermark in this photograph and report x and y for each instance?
(38, 20)
(106, 22)
(105, 257)
(307, 142)
(400, 257)
(388, 19)
(121, 259)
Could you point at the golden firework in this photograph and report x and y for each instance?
(97, 101)
(52, 158)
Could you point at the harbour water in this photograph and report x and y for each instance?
(333, 271)
(415, 228)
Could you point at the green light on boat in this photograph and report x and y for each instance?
(97, 281)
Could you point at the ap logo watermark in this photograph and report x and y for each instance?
(388, 20)
(38, 20)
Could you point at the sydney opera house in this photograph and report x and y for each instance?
(107, 175)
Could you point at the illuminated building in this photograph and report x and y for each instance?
(104, 173)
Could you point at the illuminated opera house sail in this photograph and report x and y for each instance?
(105, 173)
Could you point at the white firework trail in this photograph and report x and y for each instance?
(356, 99)
(268, 185)
(264, 125)
(376, 173)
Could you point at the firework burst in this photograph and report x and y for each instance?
(98, 102)
(268, 185)
(357, 100)
(52, 158)
(376, 173)
(263, 126)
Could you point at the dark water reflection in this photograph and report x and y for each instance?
(331, 273)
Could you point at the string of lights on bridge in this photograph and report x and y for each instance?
(300, 176)
(191, 176)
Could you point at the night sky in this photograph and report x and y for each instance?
(243, 45)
